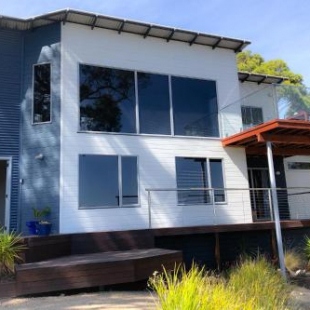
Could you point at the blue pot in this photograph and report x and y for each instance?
(44, 229)
(32, 227)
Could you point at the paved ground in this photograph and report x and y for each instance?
(91, 301)
(115, 300)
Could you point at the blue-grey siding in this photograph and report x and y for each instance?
(11, 51)
(40, 177)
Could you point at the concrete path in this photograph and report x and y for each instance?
(92, 301)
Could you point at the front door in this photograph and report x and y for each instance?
(260, 195)
(5, 179)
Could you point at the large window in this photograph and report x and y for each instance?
(110, 100)
(42, 93)
(251, 116)
(107, 99)
(107, 181)
(154, 103)
(199, 173)
(194, 107)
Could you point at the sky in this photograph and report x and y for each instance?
(278, 29)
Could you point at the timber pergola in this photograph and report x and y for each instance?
(288, 138)
(280, 137)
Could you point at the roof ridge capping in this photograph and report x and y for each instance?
(95, 20)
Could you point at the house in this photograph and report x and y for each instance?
(100, 117)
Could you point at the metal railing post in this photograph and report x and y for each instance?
(149, 202)
(213, 203)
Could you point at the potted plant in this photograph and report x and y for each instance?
(40, 225)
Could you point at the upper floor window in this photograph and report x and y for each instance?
(202, 174)
(107, 99)
(194, 107)
(114, 100)
(42, 93)
(107, 181)
(251, 116)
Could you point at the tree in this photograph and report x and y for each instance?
(292, 94)
(255, 63)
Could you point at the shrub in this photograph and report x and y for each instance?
(307, 247)
(293, 260)
(10, 248)
(252, 285)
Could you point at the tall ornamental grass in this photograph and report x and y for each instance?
(252, 285)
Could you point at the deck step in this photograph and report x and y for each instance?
(95, 269)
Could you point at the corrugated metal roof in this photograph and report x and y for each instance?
(122, 25)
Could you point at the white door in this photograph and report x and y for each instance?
(5, 188)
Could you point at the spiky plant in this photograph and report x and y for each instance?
(11, 246)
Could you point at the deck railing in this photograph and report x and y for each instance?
(217, 206)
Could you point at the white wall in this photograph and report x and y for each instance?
(156, 154)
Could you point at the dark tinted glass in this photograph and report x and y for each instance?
(154, 104)
(216, 171)
(129, 180)
(42, 93)
(192, 173)
(195, 107)
(107, 99)
(98, 181)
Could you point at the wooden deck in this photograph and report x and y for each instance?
(74, 261)
(91, 270)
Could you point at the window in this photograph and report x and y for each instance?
(107, 99)
(42, 93)
(199, 173)
(107, 181)
(295, 165)
(251, 116)
(194, 107)
(154, 103)
(124, 101)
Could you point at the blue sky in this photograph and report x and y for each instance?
(276, 28)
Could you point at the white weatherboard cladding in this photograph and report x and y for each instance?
(156, 154)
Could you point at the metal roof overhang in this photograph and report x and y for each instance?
(288, 138)
(121, 25)
(260, 78)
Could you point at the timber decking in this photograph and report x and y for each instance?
(95, 269)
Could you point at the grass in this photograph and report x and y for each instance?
(253, 284)
(294, 260)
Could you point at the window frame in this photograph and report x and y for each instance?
(137, 115)
(209, 181)
(119, 183)
(33, 91)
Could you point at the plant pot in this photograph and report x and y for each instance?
(44, 229)
(32, 227)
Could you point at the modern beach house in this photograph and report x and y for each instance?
(123, 125)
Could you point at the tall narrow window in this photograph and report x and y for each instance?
(154, 103)
(107, 181)
(107, 99)
(194, 174)
(194, 107)
(42, 93)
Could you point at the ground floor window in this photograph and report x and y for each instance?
(199, 173)
(107, 181)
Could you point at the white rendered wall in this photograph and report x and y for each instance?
(156, 154)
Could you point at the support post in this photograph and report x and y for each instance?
(275, 208)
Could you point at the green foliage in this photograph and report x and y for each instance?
(40, 214)
(252, 285)
(259, 281)
(10, 248)
(307, 247)
(255, 63)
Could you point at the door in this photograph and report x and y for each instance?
(5, 181)
(260, 198)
